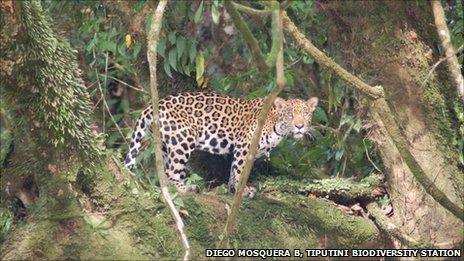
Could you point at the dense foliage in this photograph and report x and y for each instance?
(201, 51)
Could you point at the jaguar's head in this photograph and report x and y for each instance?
(294, 116)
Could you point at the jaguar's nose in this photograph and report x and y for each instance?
(299, 126)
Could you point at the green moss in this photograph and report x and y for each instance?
(143, 228)
(303, 221)
(339, 189)
(202, 223)
(288, 222)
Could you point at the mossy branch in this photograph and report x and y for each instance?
(250, 40)
(307, 46)
(380, 106)
(337, 189)
(444, 35)
(267, 105)
(252, 11)
(152, 40)
(276, 43)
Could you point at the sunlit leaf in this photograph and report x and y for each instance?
(215, 12)
(198, 14)
(339, 154)
(128, 40)
(200, 68)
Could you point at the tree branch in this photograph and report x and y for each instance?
(153, 36)
(432, 69)
(252, 11)
(444, 34)
(247, 35)
(381, 107)
(307, 46)
(267, 105)
(336, 189)
(276, 37)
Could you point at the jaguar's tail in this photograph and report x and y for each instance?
(141, 128)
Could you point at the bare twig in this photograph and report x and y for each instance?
(153, 35)
(267, 105)
(444, 34)
(318, 126)
(108, 108)
(276, 37)
(439, 62)
(273, 6)
(369, 158)
(285, 4)
(126, 84)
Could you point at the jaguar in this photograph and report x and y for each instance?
(220, 125)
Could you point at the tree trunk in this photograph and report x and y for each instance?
(391, 44)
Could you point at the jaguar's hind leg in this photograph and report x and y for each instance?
(178, 152)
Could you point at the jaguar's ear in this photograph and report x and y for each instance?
(279, 103)
(312, 103)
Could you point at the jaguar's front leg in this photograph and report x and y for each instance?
(236, 170)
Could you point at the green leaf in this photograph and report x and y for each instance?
(107, 45)
(357, 125)
(339, 154)
(198, 14)
(138, 47)
(308, 59)
(172, 57)
(122, 49)
(124, 105)
(193, 51)
(215, 12)
(167, 69)
(161, 49)
(186, 69)
(91, 44)
(172, 37)
(346, 119)
(117, 117)
(180, 44)
(320, 116)
(183, 58)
